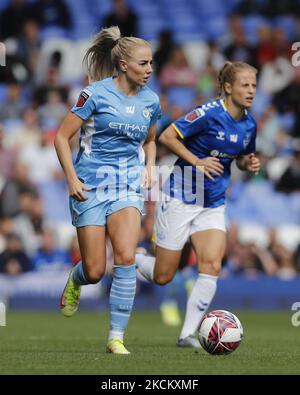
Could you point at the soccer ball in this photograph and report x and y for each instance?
(220, 332)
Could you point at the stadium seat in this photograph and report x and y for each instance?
(216, 27)
(4, 4)
(53, 32)
(261, 102)
(288, 24)
(149, 30)
(153, 84)
(55, 201)
(3, 90)
(211, 8)
(251, 25)
(182, 97)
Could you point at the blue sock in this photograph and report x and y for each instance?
(78, 276)
(121, 299)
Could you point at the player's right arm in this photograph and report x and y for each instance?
(69, 127)
(171, 138)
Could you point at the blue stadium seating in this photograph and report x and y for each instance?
(55, 200)
(216, 27)
(53, 32)
(190, 20)
(4, 4)
(288, 24)
(3, 90)
(182, 97)
(251, 26)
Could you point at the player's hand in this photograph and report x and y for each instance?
(76, 190)
(253, 164)
(210, 166)
(148, 177)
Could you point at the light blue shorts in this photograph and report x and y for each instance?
(94, 211)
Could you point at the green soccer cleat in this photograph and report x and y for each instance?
(69, 301)
(116, 346)
(170, 314)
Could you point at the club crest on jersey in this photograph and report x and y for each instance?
(234, 138)
(246, 141)
(84, 95)
(146, 112)
(194, 115)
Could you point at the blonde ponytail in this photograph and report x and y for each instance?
(108, 47)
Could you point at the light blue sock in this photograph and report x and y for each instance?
(121, 299)
(78, 275)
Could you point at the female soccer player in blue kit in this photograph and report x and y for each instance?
(116, 114)
(210, 137)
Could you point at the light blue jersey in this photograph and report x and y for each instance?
(111, 156)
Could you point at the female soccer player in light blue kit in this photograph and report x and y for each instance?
(116, 114)
(208, 138)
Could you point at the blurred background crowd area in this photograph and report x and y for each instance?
(45, 41)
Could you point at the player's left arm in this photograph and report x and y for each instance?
(248, 163)
(150, 154)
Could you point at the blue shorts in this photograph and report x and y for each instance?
(94, 211)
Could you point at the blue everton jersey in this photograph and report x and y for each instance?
(210, 130)
(114, 131)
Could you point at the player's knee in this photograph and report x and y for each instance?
(94, 275)
(162, 278)
(211, 267)
(125, 259)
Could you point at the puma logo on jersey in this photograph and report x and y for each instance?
(113, 109)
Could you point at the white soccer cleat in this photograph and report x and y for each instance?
(189, 342)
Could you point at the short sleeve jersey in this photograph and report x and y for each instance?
(114, 130)
(210, 130)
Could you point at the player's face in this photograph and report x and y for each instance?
(243, 89)
(139, 65)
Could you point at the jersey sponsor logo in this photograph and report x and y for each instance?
(234, 138)
(84, 95)
(220, 136)
(219, 154)
(194, 115)
(127, 126)
(130, 109)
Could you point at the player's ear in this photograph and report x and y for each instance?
(123, 65)
(227, 88)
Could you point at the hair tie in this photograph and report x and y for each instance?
(117, 41)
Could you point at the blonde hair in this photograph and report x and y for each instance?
(229, 71)
(108, 47)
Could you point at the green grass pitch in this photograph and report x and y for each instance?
(48, 343)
